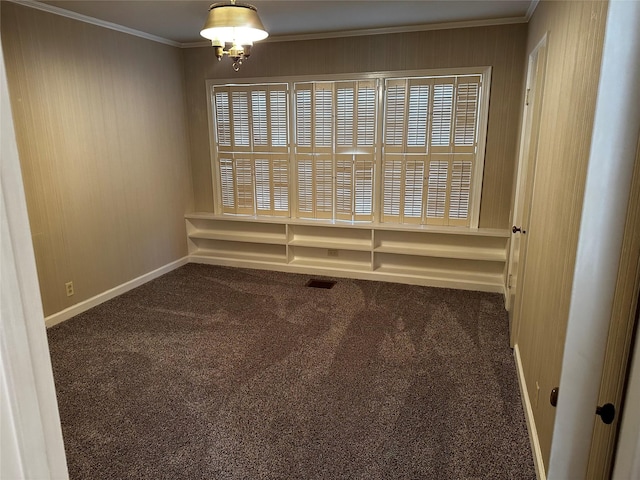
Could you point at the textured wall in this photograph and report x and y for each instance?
(574, 50)
(502, 47)
(102, 136)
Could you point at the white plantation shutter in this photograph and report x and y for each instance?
(403, 189)
(428, 169)
(243, 172)
(280, 172)
(279, 118)
(429, 128)
(240, 133)
(345, 115)
(354, 187)
(315, 186)
(392, 201)
(323, 191)
(413, 190)
(466, 114)
(236, 182)
(344, 187)
(417, 116)
(335, 149)
(227, 185)
(259, 117)
(395, 112)
(310, 188)
(437, 181)
(222, 118)
(303, 118)
(305, 183)
(272, 185)
(251, 126)
(366, 114)
(460, 191)
(464, 149)
(363, 173)
(323, 118)
(442, 114)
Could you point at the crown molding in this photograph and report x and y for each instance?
(94, 21)
(282, 38)
(531, 9)
(381, 31)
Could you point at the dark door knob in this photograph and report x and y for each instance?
(607, 413)
(517, 229)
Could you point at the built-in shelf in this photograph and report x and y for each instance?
(473, 259)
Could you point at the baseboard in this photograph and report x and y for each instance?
(85, 305)
(528, 413)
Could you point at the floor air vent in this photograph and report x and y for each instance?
(320, 283)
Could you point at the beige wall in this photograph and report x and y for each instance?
(502, 47)
(102, 137)
(574, 49)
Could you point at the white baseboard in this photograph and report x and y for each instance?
(85, 305)
(528, 413)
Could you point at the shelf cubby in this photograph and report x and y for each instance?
(330, 258)
(330, 237)
(441, 245)
(454, 257)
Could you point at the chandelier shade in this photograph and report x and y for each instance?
(232, 29)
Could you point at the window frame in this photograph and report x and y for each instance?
(380, 77)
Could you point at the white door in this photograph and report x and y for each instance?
(525, 181)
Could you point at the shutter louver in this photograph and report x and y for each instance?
(223, 120)
(344, 188)
(259, 117)
(418, 116)
(413, 189)
(278, 104)
(363, 176)
(366, 114)
(323, 177)
(344, 117)
(263, 186)
(323, 119)
(442, 115)
(460, 191)
(280, 186)
(227, 185)
(395, 116)
(240, 116)
(437, 191)
(303, 118)
(305, 187)
(244, 185)
(466, 114)
(392, 191)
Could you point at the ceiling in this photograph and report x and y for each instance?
(181, 21)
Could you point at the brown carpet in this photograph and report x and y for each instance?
(215, 373)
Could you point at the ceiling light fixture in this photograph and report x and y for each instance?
(232, 29)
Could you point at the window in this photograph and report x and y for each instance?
(386, 149)
(429, 152)
(335, 149)
(252, 144)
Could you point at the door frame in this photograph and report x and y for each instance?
(607, 190)
(32, 444)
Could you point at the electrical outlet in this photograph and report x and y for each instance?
(537, 394)
(332, 252)
(69, 288)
